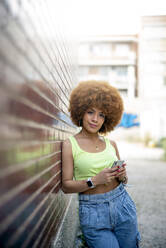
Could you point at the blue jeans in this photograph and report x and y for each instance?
(109, 220)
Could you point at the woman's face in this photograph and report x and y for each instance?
(93, 120)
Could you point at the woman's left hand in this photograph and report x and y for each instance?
(121, 173)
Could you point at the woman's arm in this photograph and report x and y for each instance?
(68, 184)
(71, 186)
(122, 175)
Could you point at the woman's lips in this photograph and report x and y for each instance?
(92, 125)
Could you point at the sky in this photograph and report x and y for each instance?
(90, 17)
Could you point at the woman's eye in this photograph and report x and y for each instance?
(102, 115)
(90, 112)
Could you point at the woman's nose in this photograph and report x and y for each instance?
(95, 117)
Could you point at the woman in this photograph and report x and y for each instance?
(107, 213)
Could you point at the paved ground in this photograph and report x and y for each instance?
(147, 176)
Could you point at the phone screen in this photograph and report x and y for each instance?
(118, 163)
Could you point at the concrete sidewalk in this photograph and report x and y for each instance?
(138, 151)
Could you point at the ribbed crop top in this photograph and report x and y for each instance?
(87, 164)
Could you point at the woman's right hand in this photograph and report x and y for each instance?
(105, 176)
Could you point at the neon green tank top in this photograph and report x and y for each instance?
(88, 164)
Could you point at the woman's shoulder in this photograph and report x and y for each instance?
(66, 142)
(69, 141)
(112, 142)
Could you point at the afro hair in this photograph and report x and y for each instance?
(97, 94)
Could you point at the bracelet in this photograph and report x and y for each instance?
(123, 180)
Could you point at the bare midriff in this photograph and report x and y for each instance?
(102, 188)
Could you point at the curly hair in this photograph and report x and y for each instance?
(97, 94)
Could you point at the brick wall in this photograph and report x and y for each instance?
(37, 73)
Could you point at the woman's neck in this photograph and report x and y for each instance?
(86, 134)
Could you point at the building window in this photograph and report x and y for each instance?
(120, 70)
(93, 70)
(122, 50)
(100, 50)
(154, 32)
(104, 70)
(83, 70)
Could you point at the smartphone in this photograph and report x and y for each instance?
(118, 163)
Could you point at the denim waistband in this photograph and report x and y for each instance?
(103, 197)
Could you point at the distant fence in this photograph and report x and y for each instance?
(36, 77)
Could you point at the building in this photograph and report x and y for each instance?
(110, 58)
(152, 76)
(136, 65)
